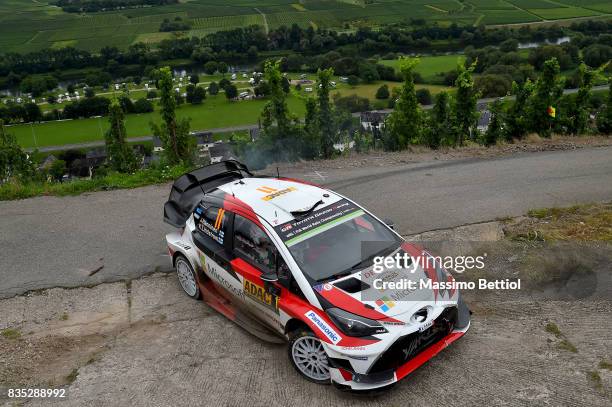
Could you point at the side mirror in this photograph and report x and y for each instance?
(269, 277)
(389, 223)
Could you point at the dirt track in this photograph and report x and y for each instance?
(145, 343)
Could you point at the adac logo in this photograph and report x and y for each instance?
(273, 193)
(259, 294)
(385, 304)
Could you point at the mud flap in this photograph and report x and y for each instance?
(463, 319)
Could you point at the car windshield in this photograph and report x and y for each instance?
(338, 250)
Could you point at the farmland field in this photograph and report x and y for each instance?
(429, 67)
(28, 25)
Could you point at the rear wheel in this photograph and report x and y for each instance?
(186, 277)
(308, 356)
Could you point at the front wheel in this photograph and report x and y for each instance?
(308, 356)
(187, 278)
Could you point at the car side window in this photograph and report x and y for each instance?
(212, 222)
(252, 243)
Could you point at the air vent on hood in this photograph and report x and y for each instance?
(352, 285)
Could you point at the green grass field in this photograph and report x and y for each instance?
(369, 90)
(27, 25)
(430, 66)
(215, 112)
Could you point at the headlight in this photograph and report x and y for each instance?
(354, 325)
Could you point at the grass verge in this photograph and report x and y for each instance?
(21, 190)
(589, 222)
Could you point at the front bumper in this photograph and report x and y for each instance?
(389, 372)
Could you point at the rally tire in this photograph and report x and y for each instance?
(308, 357)
(187, 277)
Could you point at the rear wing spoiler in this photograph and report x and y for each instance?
(189, 189)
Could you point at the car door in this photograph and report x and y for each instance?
(212, 228)
(255, 254)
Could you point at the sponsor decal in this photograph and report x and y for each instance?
(199, 210)
(318, 287)
(213, 230)
(353, 347)
(215, 272)
(357, 357)
(327, 330)
(426, 326)
(327, 286)
(183, 245)
(385, 304)
(259, 294)
(393, 323)
(273, 193)
(298, 230)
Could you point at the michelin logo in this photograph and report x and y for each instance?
(323, 327)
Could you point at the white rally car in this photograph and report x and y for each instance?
(291, 261)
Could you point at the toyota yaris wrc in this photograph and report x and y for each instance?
(291, 261)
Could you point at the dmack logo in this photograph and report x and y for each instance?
(323, 327)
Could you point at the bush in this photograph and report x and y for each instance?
(352, 103)
(382, 92)
(151, 94)
(213, 88)
(143, 106)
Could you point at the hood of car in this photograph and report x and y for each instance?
(389, 294)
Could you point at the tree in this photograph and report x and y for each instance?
(604, 118)
(510, 45)
(143, 105)
(70, 88)
(353, 80)
(195, 79)
(173, 134)
(494, 131)
(14, 161)
(404, 124)
(32, 112)
(516, 116)
(424, 96)
(465, 115)
(286, 85)
(213, 88)
(543, 102)
(126, 103)
(222, 68)
(325, 118)
(120, 155)
(439, 128)
(383, 92)
(279, 131)
(195, 94)
(579, 114)
(210, 67)
(89, 92)
(231, 91)
(312, 143)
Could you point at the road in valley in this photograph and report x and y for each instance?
(114, 235)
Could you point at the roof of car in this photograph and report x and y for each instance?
(278, 200)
